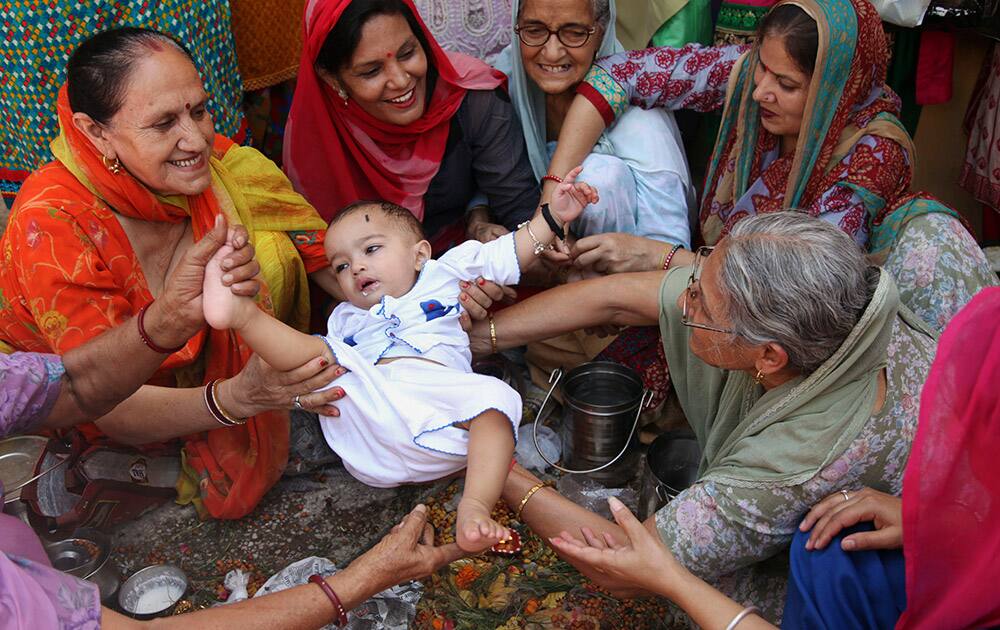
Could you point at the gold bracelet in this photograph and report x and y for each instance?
(539, 247)
(222, 416)
(530, 493)
(493, 335)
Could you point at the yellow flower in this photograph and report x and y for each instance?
(53, 323)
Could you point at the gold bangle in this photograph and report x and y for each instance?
(530, 493)
(221, 415)
(493, 335)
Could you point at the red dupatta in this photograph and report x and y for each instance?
(336, 154)
(84, 278)
(951, 488)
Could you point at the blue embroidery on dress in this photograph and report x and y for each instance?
(434, 309)
(349, 340)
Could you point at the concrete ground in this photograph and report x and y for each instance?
(327, 513)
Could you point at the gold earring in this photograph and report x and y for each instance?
(343, 95)
(758, 377)
(114, 167)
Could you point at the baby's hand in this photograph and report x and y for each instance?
(222, 309)
(571, 197)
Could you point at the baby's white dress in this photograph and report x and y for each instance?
(396, 422)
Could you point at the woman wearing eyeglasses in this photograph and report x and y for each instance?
(797, 369)
(638, 164)
(382, 112)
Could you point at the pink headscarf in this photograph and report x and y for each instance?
(951, 488)
(336, 154)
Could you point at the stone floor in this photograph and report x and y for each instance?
(326, 514)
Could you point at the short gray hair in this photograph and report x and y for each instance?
(601, 9)
(797, 281)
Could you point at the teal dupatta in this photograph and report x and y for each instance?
(847, 100)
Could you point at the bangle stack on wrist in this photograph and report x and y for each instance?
(552, 178)
(221, 415)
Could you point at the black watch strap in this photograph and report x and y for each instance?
(551, 220)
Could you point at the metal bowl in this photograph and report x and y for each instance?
(153, 591)
(87, 555)
(18, 457)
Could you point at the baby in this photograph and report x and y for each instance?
(414, 411)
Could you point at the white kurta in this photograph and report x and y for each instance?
(397, 420)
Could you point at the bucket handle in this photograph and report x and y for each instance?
(554, 378)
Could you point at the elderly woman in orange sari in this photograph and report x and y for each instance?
(139, 176)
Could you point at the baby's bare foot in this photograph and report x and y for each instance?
(475, 531)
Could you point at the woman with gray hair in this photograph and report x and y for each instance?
(796, 366)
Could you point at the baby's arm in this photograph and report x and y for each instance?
(568, 201)
(280, 345)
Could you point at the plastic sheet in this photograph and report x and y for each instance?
(392, 609)
(527, 455)
(594, 496)
(907, 13)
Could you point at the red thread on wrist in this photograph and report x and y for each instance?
(341, 619)
(552, 178)
(145, 336)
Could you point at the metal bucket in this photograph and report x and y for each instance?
(602, 404)
(672, 462)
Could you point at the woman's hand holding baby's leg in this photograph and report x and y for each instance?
(491, 446)
(222, 308)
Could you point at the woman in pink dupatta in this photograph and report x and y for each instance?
(948, 520)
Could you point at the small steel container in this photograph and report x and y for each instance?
(87, 555)
(153, 591)
(672, 462)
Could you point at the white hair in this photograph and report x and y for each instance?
(797, 281)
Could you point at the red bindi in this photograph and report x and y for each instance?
(187, 105)
(388, 55)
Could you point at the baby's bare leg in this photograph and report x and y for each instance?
(491, 446)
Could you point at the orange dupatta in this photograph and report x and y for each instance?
(74, 264)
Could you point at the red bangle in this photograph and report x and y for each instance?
(145, 336)
(341, 619)
(552, 178)
(670, 256)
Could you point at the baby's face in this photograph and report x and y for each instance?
(371, 256)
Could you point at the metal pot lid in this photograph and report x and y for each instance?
(18, 456)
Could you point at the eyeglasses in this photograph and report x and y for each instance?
(571, 35)
(690, 293)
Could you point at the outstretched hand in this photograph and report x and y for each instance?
(641, 565)
(571, 197)
(406, 553)
(836, 512)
